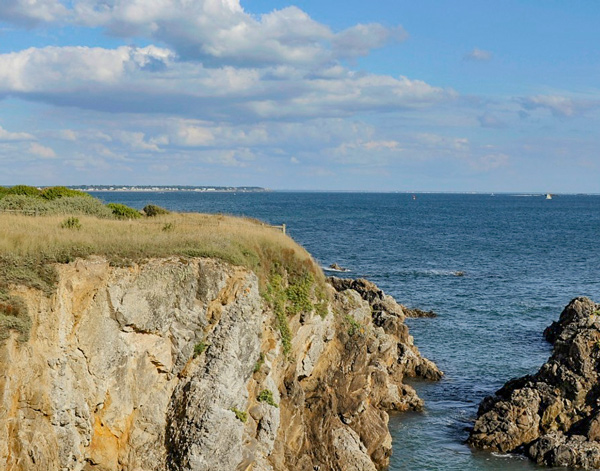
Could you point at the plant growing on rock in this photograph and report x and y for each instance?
(259, 363)
(240, 415)
(266, 395)
(355, 327)
(199, 348)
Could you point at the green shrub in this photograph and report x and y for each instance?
(267, 396)
(3, 191)
(168, 227)
(241, 415)
(55, 192)
(199, 348)
(71, 223)
(152, 210)
(72, 205)
(24, 190)
(121, 211)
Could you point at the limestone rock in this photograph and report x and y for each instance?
(165, 366)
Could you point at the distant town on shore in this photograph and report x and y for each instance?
(229, 189)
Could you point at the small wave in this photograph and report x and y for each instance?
(432, 272)
(512, 456)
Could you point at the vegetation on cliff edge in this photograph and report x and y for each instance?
(30, 246)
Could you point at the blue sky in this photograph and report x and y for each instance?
(385, 95)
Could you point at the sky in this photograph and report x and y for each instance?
(388, 95)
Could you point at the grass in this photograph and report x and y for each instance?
(27, 243)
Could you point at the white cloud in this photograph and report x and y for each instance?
(14, 136)
(359, 40)
(41, 151)
(31, 12)
(558, 105)
(217, 31)
(55, 69)
(150, 80)
(478, 55)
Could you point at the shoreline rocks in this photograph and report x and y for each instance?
(553, 416)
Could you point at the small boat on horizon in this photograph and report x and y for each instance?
(548, 196)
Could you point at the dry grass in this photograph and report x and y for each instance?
(37, 241)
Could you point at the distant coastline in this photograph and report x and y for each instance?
(149, 188)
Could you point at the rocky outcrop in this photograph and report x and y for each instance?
(177, 364)
(378, 300)
(553, 416)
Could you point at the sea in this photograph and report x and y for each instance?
(497, 269)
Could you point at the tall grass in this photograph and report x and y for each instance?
(33, 241)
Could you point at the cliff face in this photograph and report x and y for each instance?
(177, 364)
(552, 416)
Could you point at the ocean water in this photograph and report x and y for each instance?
(523, 258)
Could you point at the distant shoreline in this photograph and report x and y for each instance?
(199, 189)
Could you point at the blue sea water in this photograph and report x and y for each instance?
(523, 258)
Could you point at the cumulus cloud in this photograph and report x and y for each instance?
(478, 55)
(120, 80)
(58, 69)
(558, 105)
(212, 31)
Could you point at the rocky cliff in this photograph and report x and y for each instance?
(554, 415)
(179, 364)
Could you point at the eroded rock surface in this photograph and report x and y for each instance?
(554, 415)
(176, 364)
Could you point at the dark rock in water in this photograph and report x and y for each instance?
(552, 416)
(416, 312)
(335, 266)
(459, 273)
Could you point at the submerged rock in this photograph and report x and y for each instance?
(552, 416)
